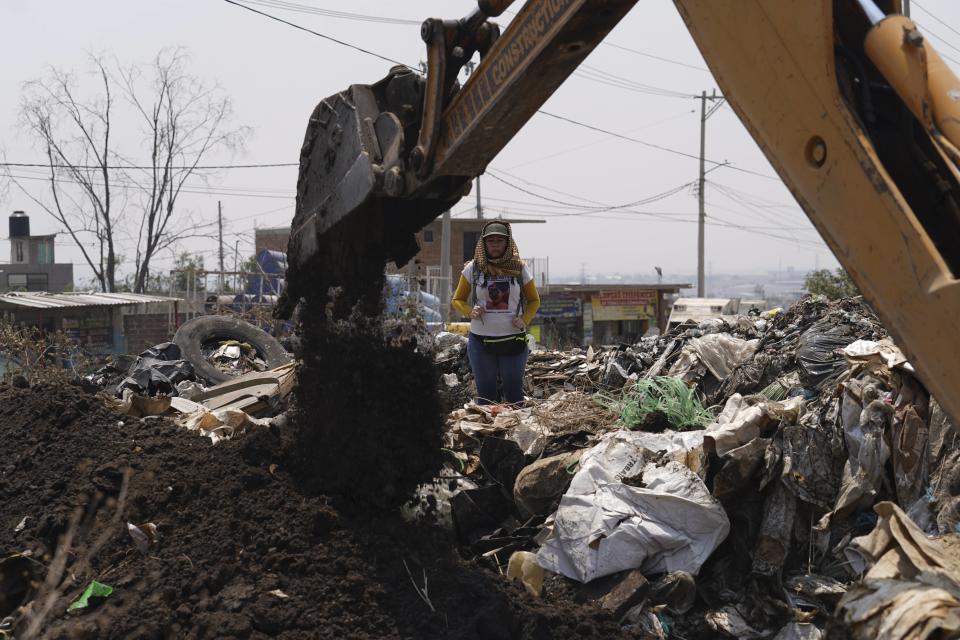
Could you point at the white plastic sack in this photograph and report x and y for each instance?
(719, 352)
(880, 351)
(742, 420)
(220, 424)
(604, 526)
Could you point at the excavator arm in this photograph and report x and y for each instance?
(380, 161)
(851, 105)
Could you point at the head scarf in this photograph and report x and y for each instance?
(509, 264)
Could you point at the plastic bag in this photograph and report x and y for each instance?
(157, 371)
(819, 364)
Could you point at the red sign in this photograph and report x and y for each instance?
(626, 297)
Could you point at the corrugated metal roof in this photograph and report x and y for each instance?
(43, 300)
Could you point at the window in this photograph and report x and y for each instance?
(45, 251)
(427, 235)
(18, 251)
(716, 308)
(17, 281)
(28, 281)
(37, 281)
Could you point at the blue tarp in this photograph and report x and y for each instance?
(274, 265)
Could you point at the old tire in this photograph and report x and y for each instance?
(194, 334)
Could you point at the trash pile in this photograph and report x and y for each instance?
(216, 387)
(777, 477)
(235, 357)
(721, 343)
(782, 477)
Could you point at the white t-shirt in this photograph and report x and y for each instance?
(499, 296)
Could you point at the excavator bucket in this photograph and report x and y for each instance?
(352, 216)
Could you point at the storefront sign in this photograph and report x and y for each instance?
(628, 304)
(559, 306)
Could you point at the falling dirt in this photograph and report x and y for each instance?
(368, 416)
(243, 552)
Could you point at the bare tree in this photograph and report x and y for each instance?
(74, 133)
(184, 121)
(177, 121)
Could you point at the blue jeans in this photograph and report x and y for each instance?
(487, 367)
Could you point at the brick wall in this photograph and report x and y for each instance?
(145, 330)
(430, 256)
(272, 239)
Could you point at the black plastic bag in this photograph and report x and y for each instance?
(819, 365)
(157, 371)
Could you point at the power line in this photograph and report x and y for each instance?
(583, 71)
(320, 35)
(667, 216)
(654, 57)
(597, 141)
(546, 207)
(725, 223)
(757, 211)
(97, 167)
(754, 199)
(598, 209)
(194, 187)
(128, 186)
(570, 120)
(673, 217)
(571, 195)
(918, 6)
(644, 53)
(329, 13)
(604, 77)
(627, 216)
(262, 213)
(656, 146)
(930, 32)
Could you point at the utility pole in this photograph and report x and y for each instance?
(479, 205)
(701, 191)
(446, 284)
(220, 233)
(701, 219)
(236, 276)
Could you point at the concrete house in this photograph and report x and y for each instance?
(33, 265)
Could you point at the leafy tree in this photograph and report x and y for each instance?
(188, 270)
(833, 285)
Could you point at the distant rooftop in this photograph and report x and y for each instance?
(43, 300)
(666, 286)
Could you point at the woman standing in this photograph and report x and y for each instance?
(505, 299)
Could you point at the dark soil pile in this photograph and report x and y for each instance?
(368, 416)
(243, 552)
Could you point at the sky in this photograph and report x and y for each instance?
(640, 83)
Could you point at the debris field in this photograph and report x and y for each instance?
(776, 476)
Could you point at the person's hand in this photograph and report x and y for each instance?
(519, 323)
(476, 312)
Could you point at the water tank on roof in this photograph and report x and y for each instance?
(19, 225)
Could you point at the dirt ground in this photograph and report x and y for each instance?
(243, 552)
